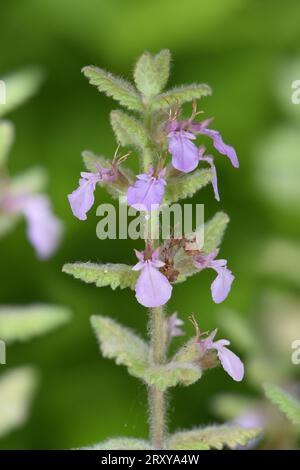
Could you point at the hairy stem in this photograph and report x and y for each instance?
(157, 398)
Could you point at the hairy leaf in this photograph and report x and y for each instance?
(172, 374)
(120, 343)
(284, 401)
(119, 89)
(187, 185)
(23, 323)
(7, 133)
(20, 86)
(181, 95)
(120, 443)
(215, 437)
(152, 72)
(214, 231)
(17, 387)
(113, 275)
(128, 130)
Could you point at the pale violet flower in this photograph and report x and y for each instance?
(148, 191)
(184, 153)
(231, 363)
(224, 149)
(82, 199)
(221, 286)
(44, 229)
(174, 326)
(152, 288)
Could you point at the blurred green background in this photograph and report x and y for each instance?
(249, 52)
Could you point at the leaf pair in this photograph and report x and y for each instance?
(151, 75)
(120, 343)
(121, 275)
(212, 437)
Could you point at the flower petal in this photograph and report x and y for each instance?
(44, 229)
(221, 286)
(146, 193)
(231, 363)
(184, 153)
(82, 199)
(152, 288)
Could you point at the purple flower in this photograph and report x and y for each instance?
(221, 286)
(184, 153)
(174, 323)
(231, 363)
(209, 159)
(152, 288)
(224, 149)
(44, 229)
(82, 198)
(148, 191)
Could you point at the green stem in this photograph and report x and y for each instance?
(157, 326)
(157, 398)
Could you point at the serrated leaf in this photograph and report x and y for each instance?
(119, 89)
(152, 72)
(31, 181)
(120, 443)
(91, 161)
(184, 186)
(181, 95)
(212, 437)
(113, 275)
(17, 387)
(7, 133)
(172, 374)
(284, 401)
(128, 130)
(120, 343)
(18, 323)
(214, 231)
(20, 86)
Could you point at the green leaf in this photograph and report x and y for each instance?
(172, 374)
(17, 388)
(285, 402)
(116, 87)
(31, 181)
(184, 186)
(181, 95)
(120, 343)
(120, 443)
(128, 130)
(214, 231)
(20, 86)
(215, 437)
(23, 323)
(7, 133)
(152, 72)
(113, 275)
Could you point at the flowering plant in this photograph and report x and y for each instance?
(169, 157)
